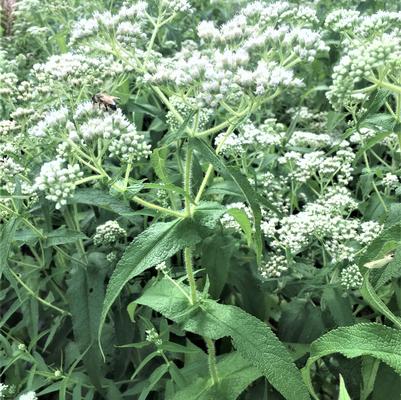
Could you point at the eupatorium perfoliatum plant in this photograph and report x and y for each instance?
(200, 199)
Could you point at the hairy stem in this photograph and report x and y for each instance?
(211, 350)
(187, 181)
(190, 274)
(152, 206)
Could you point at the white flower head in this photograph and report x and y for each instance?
(28, 396)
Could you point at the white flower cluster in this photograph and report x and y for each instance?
(360, 136)
(274, 267)
(57, 181)
(273, 189)
(390, 181)
(242, 56)
(189, 111)
(74, 70)
(3, 390)
(128, 25)
(308, 119)
(8, 82)
(323, 221)
(177, 5)
(153, 337)
(120, 136)
(162, 267)
(8, 126)
(28, 396)
(22, 112)
(381, 21)
(111, 257)
(303, 165)
(108, 233)
(346, 21)
(351, 277)
(358, 63)
(309, 139)
(51, 119)
(9, 168)
(342, 20)
(251, 137)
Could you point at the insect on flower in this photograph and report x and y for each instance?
(105, 100)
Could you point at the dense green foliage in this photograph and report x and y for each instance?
(200, 200)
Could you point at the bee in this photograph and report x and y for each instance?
(105, 100)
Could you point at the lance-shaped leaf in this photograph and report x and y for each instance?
(241, 181)
(375, 340)
(252, 338)
(235, 375)
(157, 243)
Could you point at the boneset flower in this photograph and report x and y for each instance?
(57, 181)
(351, 277)
(28, 396)
(274, 267)
(108, 233)
(120, 136)
(153, 337)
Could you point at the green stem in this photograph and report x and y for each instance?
(187, 181)
(88, 179)
(373, 182)
(154, 34)
(387, 85)
(73, 223)
(158, 208)
(211, 350)
(190, 274)
(204, 183)
(127, 172)
(225, 124)
(32, 293)
(210, 168)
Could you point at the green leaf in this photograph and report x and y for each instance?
(123, 92)
(85, 296)
(384, 122)
(340, 307)
(300, 322)
(343, 395)
(98, 198)
(387, 241)
(371, 297)
(208, 213)
(369, 370)
(378, 138)
(375, 103)
(156, 244)
(158, 160)
(387, 384)
(154, 378)
(177, 348)
(242, 219)
(390, 271)
(216, 255)
(147, 109)
(243, 184)
(252, 338)
(235, 375)
(394, 215)
(7, 232)
(63, 236)
(371, 339)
